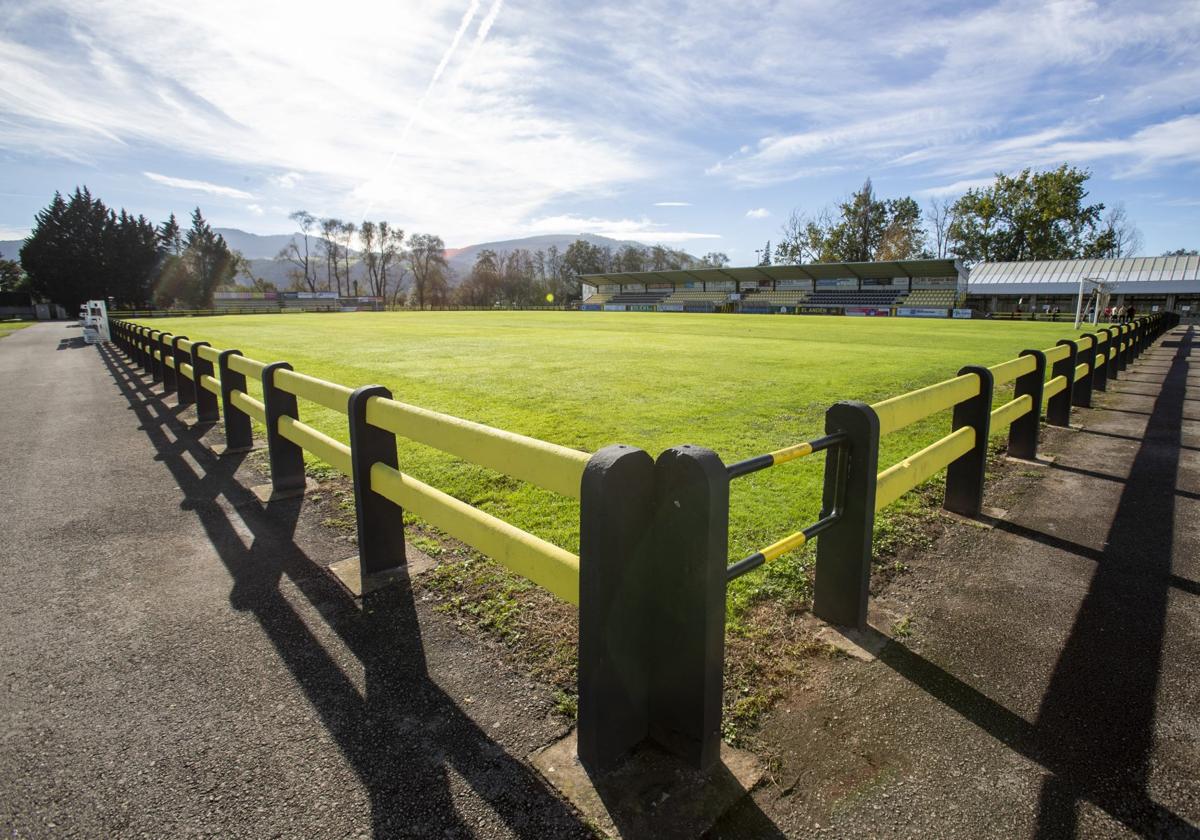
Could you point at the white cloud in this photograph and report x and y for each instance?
(255, 209)
(672, 204)
(240, 86)
(13, 233)
(957, 188)
(758, 213)
(197, 186)
(1096, 100)
(642, 229)
(514, 109)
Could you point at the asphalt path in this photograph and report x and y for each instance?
(176, 663)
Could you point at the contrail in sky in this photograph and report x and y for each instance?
(468, 16)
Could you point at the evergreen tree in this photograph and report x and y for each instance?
(207, 262)
(63, 256)
(170, 237)
(80, 250)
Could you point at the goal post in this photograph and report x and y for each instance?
(1099, 291)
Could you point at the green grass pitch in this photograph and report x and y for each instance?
(10, 327)
(739, 384)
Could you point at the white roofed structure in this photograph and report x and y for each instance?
(1132, 276)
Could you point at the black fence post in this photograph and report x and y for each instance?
(843, 571)
(156, 365)
(1023, 433)
(238, 434)
(965, 475)
(616, 656)
(139, 344)
(691, 551)
(380, 523)
(185, 388)
(286, 458)
(1058, 407)
(1081, 393)
(1112, 358)
(170, 376)
(1100, 371)
(1123, 351)
(206, 400)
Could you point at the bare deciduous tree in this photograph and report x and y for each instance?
(427, 259)
(938, 215)
(304, 273)
(1125, 238)
(330, 251)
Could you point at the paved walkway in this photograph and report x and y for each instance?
(1050, 686)
(174, 662)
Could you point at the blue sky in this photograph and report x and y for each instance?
(702, 125)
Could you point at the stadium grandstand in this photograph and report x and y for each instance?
(937, 288)
(860, 288)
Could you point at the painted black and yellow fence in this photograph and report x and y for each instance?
(652, 570)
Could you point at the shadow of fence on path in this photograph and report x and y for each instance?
(1094, 731)
(402, 735)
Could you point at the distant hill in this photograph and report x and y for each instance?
(256, 246)
(462, 259)
(11, 248)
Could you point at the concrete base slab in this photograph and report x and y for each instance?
(1041, 461)
(652, 795)
(983, 521)
(349, 575)
(220, 449)
(863, 645)
(267, 493)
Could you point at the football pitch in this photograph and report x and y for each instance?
(741, 385)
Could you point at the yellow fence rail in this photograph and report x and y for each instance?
(547, 465)
(902, 411)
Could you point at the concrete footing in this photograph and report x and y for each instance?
(349, 575)
(652, 795)
(267, 493)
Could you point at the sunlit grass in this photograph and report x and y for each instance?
(738, 384)
(9, 327)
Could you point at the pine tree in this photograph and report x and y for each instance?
(208, 264)
(64, 255)
(170, 237)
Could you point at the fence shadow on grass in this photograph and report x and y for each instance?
(402, 735)
(1094, 730)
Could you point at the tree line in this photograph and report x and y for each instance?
(524, 278)
(1027, 216)
(375, 258)
(82, 250)
(369, 259)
